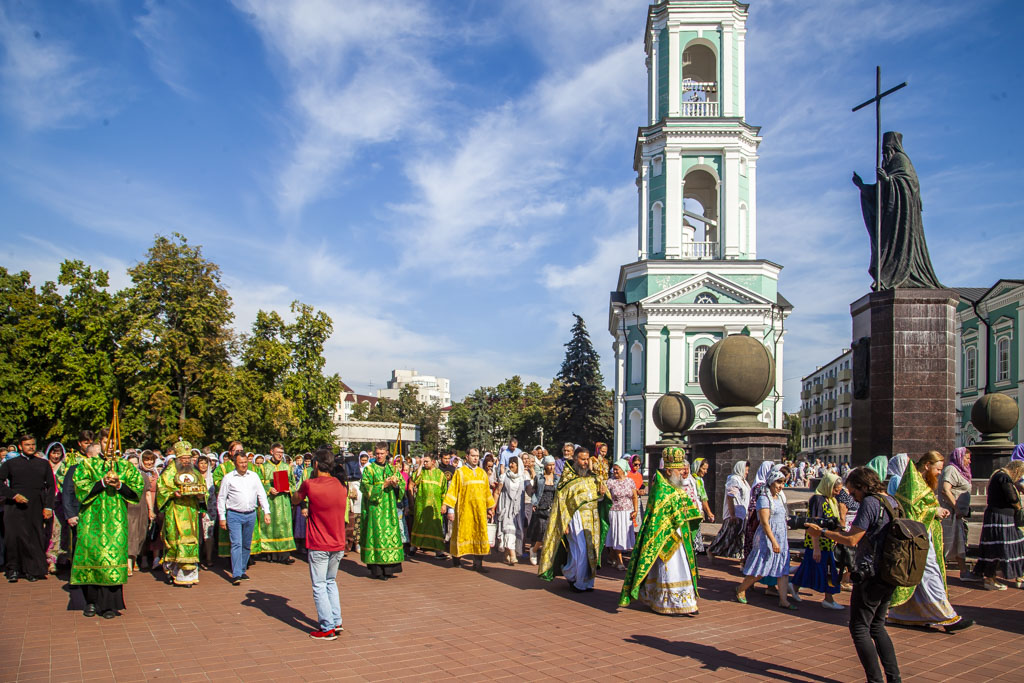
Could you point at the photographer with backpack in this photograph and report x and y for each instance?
(885, 558)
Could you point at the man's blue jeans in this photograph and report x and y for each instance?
(323, 570)
(240, 526)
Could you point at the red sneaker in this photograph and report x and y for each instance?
(324, 635)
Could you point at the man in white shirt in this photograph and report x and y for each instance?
(240, 493)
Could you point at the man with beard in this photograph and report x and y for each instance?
(574, 528)
(100, 565)
(181, 495)
(277, 539)
(662, 572)
(926, 604)
(380, 532)
(27, 489)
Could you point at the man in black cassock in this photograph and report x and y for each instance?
(27, 487)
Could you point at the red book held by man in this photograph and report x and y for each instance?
(281, 484)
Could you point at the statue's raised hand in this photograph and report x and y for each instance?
(857, 180)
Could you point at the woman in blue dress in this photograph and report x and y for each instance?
(769, 555)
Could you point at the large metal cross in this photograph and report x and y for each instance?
(877, 99)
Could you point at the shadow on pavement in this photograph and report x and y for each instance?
(277, 606)
(713, 659)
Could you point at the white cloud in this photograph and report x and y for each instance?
(43, 83)
(513, 174)
(159, 32)
(356, 73)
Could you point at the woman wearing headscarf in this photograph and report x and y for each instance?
(769, 556)
(818, 569)
(927, 603)
(625, 509)
(896, 467)
(752, 518)
(1001, 550)
(699, 469)
(729, 541)
(955, 496)
(509, 516)
(1018, 452)
(541, 498)
(879, 465)
(844, 554)
(138, 519)
(54, 526)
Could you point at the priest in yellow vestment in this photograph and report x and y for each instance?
(469, 505)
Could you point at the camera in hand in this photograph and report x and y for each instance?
(800, 521)
(863, 571)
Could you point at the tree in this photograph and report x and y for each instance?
(21, 328)
(313, 395)
(583, 411)
(791, 421)
(177, 341)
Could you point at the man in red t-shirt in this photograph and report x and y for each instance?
(325, 540)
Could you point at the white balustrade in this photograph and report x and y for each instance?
(702, 250)
(699, 109)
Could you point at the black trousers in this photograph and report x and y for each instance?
(868, 606)
(24, 543)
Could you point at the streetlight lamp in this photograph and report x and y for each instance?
(540, 430)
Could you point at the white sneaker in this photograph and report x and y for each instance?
(533, 556)
(832, 605)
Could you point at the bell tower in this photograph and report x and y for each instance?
(696, 278)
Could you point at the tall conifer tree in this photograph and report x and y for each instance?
(583, 411)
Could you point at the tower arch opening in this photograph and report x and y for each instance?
(699, 87)
(700, 215)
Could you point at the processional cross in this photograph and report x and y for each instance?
(877, 99)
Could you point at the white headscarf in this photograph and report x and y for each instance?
(737, 487)
(897, 466)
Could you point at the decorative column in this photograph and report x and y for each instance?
(653, 83)
(752, 210)
(725, 84)
(676, 358)
(776, 409)
(644, 187)
(672, 217)
(674, 75)
(728, 232)
(619, 347)
(652, 379)
(741, 101)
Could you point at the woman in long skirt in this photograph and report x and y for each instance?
(700, 468)
(818, 570)
(542, 497)
(623, 513)
(955, 496)
(769, 555)
(1001, 548)
(509, 517)
(138, 520)
(729, 541)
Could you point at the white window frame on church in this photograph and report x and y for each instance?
(971, 367)
(636, 363)
(657, 228)
(1003, 359)
(657, 164)
(698, 356)
(636, 421)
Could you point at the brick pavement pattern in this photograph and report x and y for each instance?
(503, 625)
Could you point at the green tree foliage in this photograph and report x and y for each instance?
(490, 416)
(583, 411)
(163, 346)
(791, 421)
(406, 409)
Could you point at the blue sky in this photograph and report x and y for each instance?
(449, 181)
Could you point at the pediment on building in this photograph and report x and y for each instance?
(705, 289)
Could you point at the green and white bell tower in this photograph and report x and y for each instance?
(696, 277)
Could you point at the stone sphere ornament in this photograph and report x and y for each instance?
(995, 416)
(737, 374)
(673, 414)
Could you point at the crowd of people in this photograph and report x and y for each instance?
(104, 515)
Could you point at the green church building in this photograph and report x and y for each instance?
(991, 345)
(696, 277)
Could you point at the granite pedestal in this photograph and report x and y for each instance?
(723, 448)
(986, 459)
(911, 407)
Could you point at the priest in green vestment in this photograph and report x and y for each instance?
(181, 495)
(574, 528)
(430, 484)
(277, 539)
(100, 565)
(662, 571)
(380, 532)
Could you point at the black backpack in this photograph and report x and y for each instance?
(904, 549)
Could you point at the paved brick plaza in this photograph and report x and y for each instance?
(437, 622)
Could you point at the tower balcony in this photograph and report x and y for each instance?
(698, 109)
(699, 250)
(697, 99)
